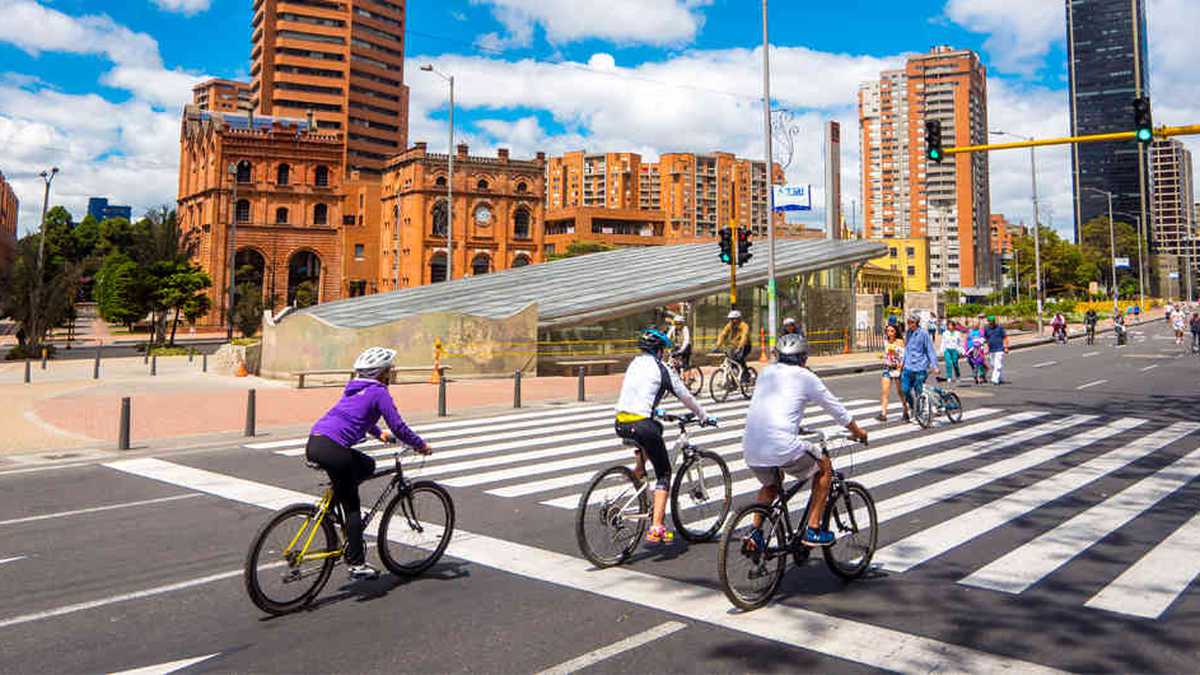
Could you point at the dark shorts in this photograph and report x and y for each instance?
(647, 436)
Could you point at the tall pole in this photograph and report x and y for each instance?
(450, 193)
(1141, 268)
(35, 291)
(232, 251)
(1037, 239)
(771, 308)
(1112, 248)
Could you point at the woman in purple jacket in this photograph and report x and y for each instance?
(356, 415)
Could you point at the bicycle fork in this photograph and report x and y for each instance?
(311, 524)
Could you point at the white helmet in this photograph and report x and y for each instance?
(734, 314)
(789, 321)
(678, 318)
(374, 360)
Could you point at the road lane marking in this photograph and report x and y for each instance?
(632, 642)
(1045, 364)
(1150, 367)
(12, 559)
(1026, 565)
(1091, 384)
(168, 667)
(97, 509)
(1153, 583)
(921, 547)
(1090, 354)
(840, 638)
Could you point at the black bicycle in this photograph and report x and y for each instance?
(750, 575)
(294, 553)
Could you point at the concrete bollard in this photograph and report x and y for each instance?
(44, 356)
(28, 372)
(146, 355)
(191, 354)
(204, 362)
(582, 391)
(123, 433)
(517, 389)
(250, 412)
(441, 402)
(96, 365)
(154, 365)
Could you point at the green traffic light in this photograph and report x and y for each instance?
(935, 155)
(1145, 135)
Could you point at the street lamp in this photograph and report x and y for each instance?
(232, 251)
(449, 178)
(1112, 242)
(1141, 267)
(772, 308)
(35, 291)
(1037, 235)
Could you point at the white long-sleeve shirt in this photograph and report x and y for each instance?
(777, 412)
(640, 390)
(681, 336)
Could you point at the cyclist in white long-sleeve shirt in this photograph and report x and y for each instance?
(646, 381)
(772, 445)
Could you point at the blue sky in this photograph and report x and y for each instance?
(96, 86)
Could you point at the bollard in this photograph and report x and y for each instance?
(250, 412)
(43, 358)
(96, 365)
(146, 355)
(441, 394)
(204, 362)
(191, 354)
(582, 371)
(517, 389)
(28, 372)
(123, 434)
(154, 365)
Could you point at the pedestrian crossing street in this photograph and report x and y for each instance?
(551, 455)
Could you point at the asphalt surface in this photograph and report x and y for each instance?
(1055, 527)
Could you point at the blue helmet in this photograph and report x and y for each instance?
(653, 340)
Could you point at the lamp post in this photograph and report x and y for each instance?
(450, 176)
(771, 304)
(1112, 242)
(1037, 236)
(35, 292)
(232, 250)
(1141, 267)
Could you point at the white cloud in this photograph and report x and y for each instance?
(186, 7)
(1021, 31)
(654, 22)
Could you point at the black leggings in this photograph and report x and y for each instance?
(647, 434)
(346, 468)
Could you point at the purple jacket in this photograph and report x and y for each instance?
(357, 413)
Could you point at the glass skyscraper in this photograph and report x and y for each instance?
(1107, 63)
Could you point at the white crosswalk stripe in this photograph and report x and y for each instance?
(1153, 583)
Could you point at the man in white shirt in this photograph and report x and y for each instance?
(772, 445)
(681, 337)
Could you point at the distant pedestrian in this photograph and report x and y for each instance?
(952, 347)
(893, 363)
(919, 360)
(997, 343)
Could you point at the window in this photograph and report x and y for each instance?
(283, 174)
(440, 181)
(320, 214)
(281, 216)
(358, 288)
(322, 176)
(482, 184)
(242, 212)
(439, 219)
(480, 265)
(522, 187)
(360, 251)
(521, 221)
(520, 261)
(437, 268)
(892, 251)
(243, 171)
(909, 251)
(911, 271)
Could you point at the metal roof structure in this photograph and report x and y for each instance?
(595, 286)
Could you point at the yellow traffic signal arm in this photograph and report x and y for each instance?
(1160, 132)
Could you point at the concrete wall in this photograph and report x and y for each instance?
(474, 345)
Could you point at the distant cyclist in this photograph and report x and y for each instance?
(790, 326)
(1059, 324)
(681, 337)
(1178, 324)
(1090, 320)
(355, 415)
(646, 381)
(772, 443)
(1195, 326)
(736, 337)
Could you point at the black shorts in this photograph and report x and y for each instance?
(647, 435)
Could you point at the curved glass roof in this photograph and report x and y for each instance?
(598, 285)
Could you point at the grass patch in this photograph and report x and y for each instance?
(168, 351)
(245, 342)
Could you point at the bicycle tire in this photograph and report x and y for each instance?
(693, 379)
(389, 554)
(262, 598)
(923, 412)
(747, 385)
(699, 496)
(719, 393)
(767, 569)
(603, 513)
(843, 514)
(954, 409)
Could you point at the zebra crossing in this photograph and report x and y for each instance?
(549, 456)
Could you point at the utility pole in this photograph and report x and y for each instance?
(771, 306)
(35, 292)
(1141, 265)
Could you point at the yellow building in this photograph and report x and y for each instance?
(910, 257)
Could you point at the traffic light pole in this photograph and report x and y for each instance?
(733, 269)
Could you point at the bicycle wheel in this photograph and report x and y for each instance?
(747, 384)
(416, 540)
(612, 516)
(277, 581)
(718, 385)
(923, 413)
(851, 517)
(750, 577)
(693, 379)
(953, 406)
(701, 494)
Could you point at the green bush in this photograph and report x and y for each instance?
(22, 352)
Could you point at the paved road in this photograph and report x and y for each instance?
(1055, 528)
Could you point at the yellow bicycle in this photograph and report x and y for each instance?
(294, 553)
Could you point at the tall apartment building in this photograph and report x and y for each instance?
(222, 96)
(9, 206)
(341, 60)
(906, 196)
(1173, 198)
(1107, 65)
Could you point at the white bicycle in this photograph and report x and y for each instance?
(730, 377)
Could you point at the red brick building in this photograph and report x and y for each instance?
(9, 206)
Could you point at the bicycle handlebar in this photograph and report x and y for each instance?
(684, 420)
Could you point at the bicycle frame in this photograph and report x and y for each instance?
(780, 507)
(680, 452)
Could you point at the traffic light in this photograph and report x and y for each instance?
(1142, 124)
(726, 246)
(933, 141)
(744, 244)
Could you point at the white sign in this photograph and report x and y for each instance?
(1122, 263)
(793, 198)
(1172, 275)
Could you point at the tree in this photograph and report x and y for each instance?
(1097, 249)
(306, 294)
(577, 248)
(178, 289)
(37, 304)
(122, 290)
(248, 310)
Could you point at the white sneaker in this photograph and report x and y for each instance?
(363, 572)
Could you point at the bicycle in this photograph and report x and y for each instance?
(308, 560)
(614, 511)
(1091, 334)
(692, 376)
(934, 401)
(849, 513)
(729, 377)
(1060, 335)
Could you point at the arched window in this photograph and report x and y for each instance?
(243, 171)
(440, 181)
(521, 261)
(320, 214)
(438, 220)
(437, 268)
(251, 267)
(522, 187)
(482, 184)
(521, 221)
(283, 174)
(242, 211)
(481, 264)
(304, 279)
(322, 176)
(281, 215)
